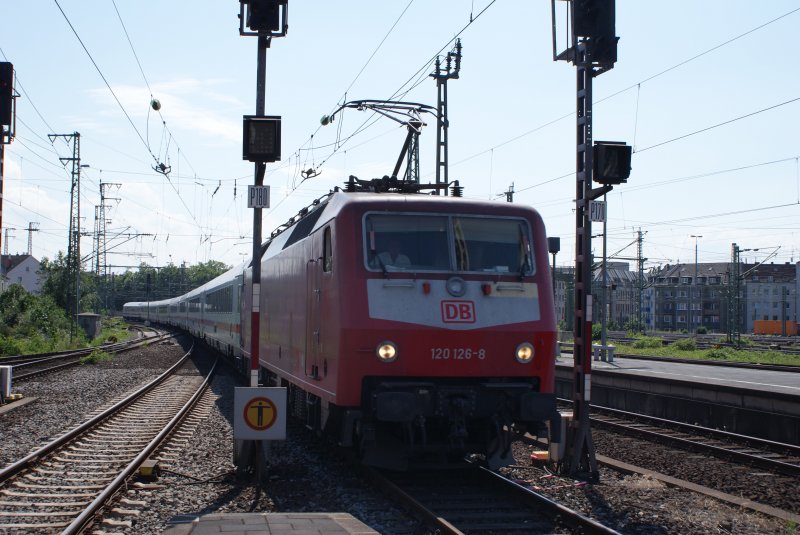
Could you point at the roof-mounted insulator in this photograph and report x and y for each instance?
(456, 190)
(350, 185)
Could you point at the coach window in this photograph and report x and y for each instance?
(327, 263)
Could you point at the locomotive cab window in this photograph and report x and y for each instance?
(496, 245)
(416, 242)
(407, 242)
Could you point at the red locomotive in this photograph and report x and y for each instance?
(406, 325)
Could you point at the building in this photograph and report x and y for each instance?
(622, 295)
(688, 296)
(21, 269)
(771, 293)
(685, 297)
(564, 297)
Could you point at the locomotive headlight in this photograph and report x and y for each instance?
(525, 352)
(386, 351)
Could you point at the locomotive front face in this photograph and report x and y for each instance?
(455, 295)
(459, 317)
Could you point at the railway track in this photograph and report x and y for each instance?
(38, 365)
(64, 485)
(472, 499)
(778, 457)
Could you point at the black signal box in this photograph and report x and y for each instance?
(6, 92)
(612, 162)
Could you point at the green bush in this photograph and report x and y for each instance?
(722, 353)
(648, 342)
(30, 323)
(632, 326)
(702, 330)
(597, 331)
(685, 344)
(113, 330)
(9, 346)
(98, 355)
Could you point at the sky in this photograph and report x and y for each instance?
(705, 92)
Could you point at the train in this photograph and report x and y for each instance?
(413, 327)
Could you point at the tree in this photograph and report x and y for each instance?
(201, 273)
(54, 275)
(165, 282)
(58, 284)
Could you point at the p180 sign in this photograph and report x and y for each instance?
(258, 196)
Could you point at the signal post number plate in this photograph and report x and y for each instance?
(457, 353)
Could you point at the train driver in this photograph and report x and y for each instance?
(393, 257)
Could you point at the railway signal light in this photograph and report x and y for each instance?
(261, 138)
(264, 15)
(595, 20)
(612, 162)
(6, 92)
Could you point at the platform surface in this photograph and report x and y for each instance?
(270, 524)
(783, 382)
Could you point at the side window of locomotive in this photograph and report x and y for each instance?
(496, 245)
(327, 260)
(408, 242)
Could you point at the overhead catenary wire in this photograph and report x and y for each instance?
(100, 72)
(319, 152)
(166, 132)
(414, 80)
(637, 85)
(119, 103)
(729, 121)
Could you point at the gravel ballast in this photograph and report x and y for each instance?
(306, 474)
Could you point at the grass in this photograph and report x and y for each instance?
(685, 350)
(98, 355)
(113, 329)
(31, 342)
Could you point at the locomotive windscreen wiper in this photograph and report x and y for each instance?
(374, 251)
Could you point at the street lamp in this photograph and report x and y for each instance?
(694, 285)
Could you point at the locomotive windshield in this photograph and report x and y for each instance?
(417, 242)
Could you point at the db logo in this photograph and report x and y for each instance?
(458, 312)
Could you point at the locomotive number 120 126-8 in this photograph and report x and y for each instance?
(457, 353)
